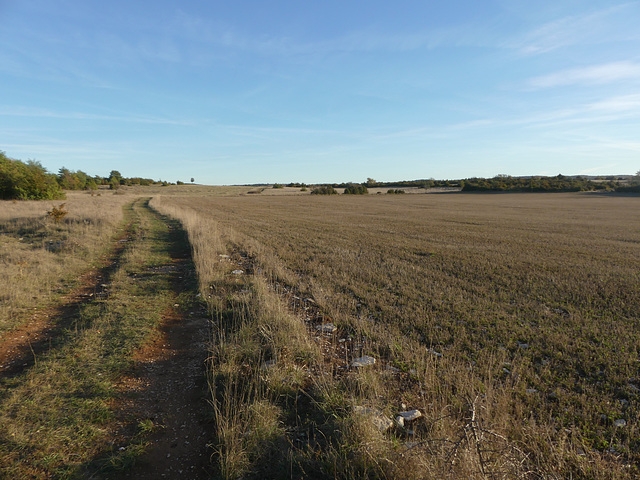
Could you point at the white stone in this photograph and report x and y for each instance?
(327, 328)
(410, 415)
(237, 272)
(363, 361)
(620, 422)
(400, 421)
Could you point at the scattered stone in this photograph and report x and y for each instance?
(434, 353)
(237, 272)
(327, 328)
(506, 370)
(379, 420)
(400, 421)
(410, 415)
(531, 390)
(523, 346)
(620, 422)
(363, 361)
(224, 256)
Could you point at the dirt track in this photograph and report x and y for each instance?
(166, 387)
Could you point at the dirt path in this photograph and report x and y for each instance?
(161, 401)
(169, 384)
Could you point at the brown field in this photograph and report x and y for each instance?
(509, 320)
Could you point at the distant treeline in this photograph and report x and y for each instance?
(505, 183)
(560, 183)
(31, 181)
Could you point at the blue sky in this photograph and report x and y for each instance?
(255, 91)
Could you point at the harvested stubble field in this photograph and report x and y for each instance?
(510, 321)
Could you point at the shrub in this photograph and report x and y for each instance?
(57, 213)
(27, 181)
(324, 190)
(391, 191)
(356, 189)
(277, 185)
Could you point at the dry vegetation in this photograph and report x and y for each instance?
(509, 321)
(41, 256)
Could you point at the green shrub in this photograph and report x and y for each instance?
(27, 181)
(356, 189)
(324, 190)
(391, 191)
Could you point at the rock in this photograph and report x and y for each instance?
(379, 420)
(363, 361)
(327, 328)
(400, 421)
(238, 272)
(620, 422)
(410, 415)
(523, 346)
(224, 256)
(532, 390)
(434, 353)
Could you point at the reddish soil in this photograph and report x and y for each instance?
(168, 389)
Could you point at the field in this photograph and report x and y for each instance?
(508, 321)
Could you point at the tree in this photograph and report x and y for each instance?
(27, 181)
(371, 182)
(356, 190)
(193, 179)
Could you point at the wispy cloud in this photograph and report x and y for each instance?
(618, 22)
(593, 75)
(12, 111)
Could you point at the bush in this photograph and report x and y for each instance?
(391, 191)
(277, 185)
(27, 181)
(57, 213)
(324, 190)
(356, 190)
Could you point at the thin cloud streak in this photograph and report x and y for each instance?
(37, 113)
(593, 75)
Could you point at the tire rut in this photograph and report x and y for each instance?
(167, 386)
(20, 347)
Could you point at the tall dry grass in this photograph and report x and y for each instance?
(41, 258)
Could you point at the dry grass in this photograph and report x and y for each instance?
(510, 321)
(41, 258)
